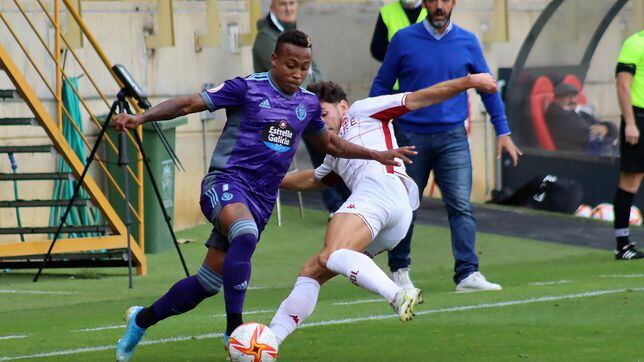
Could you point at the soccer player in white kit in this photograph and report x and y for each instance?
(379, 211)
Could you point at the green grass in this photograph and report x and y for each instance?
(581, 327)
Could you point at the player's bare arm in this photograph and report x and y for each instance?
(333, 145)
(631, 133)
(166, 110)
(437, 93)
(302, 181)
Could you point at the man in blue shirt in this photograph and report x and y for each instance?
(419, 56)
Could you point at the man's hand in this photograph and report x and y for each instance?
(632, 133)
(389, 157)
(123, 121)
(505, 143)
(483, 82)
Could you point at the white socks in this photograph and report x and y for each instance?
(298, 306)
(363, 272)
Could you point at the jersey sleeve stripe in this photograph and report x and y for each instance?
(390, 113)
(206, 98)
(388, 141)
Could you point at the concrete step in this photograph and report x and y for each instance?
(34, 176)
(41, 203)
(26, 149)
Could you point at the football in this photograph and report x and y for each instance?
(635, 217)
(252, 342)
(604, 212)
(584, 211)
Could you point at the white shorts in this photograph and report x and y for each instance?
(381, 200)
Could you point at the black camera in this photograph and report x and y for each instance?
(130, 87)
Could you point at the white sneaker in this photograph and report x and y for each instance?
(403, 305)
(401, 278)
(476, 282)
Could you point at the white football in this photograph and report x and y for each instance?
(604, 212)
(584, 211)
(636, 216)
(252, 342)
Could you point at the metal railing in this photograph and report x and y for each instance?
(53, 18)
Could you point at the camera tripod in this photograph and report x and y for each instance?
(123, 106)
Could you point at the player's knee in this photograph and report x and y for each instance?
(630, 182)
(244, 227)
(210, 280)
(323, 258)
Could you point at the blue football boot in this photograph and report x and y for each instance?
(133, 334)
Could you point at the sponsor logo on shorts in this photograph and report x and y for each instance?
(227, 196)
(300, 112)
(354, 276)
(295, 318)
(351, 206)
(279, 136)
(241, 286)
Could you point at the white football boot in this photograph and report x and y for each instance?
(403, 305)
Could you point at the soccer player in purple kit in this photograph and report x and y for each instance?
(267, 114)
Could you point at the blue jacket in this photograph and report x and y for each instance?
(418, 60)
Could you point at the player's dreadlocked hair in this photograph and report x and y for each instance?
(328, 92)
(294, 37)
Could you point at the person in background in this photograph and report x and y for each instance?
(391, 18)
(282, 16)
(577, 131)
(421, 55)
(630, 93)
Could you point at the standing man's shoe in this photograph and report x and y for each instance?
(476, 282)
(401, 278)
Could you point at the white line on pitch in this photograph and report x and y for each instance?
(117, 326)
(564, 281)
(478, 306)
(13, 291)
(621, 276)
(111, 346)
(359, 301)
(261, 311)
(343, 321)
(15, 336)
(103, 328)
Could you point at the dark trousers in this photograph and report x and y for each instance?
(448, 155)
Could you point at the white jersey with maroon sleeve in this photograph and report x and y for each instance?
(368, 124)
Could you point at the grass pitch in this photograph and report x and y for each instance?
(558, 303)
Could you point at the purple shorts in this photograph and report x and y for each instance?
(217, 191)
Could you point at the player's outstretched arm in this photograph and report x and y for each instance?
(166, 110)
(333, 145)
(302, 181)
(437, 93)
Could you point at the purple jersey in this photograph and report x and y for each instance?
(262, 132)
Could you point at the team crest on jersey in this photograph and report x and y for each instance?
(227, 196)
(279, 136)
(300, 112)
